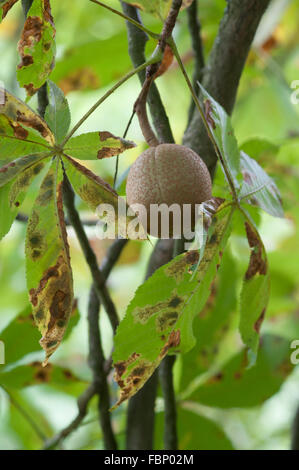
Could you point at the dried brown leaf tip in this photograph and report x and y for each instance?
(258, 260)
(132, 374)
(208, 113)
(19, 118)
(111, 145)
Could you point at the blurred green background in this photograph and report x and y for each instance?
(91, 56)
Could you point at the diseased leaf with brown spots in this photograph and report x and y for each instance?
(12, 169)
(36, 47)
(12, 194)
(96, 145)
(22, 131)
(49, 275)
(24, 329)
(160, 316)
(255, 292)
(237, 385)
(35, 374)
(95, 191)
(5, 6)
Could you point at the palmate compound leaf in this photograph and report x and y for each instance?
(255, 292)
(22, 131)
(160, 316)
(57, 113)
(5, 6)
(36, 47)
(159, 8)
(49, 275)
(258, 188)
(223, 133)
(96, 145)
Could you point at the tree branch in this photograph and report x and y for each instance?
(224, 68)
(96, 362)
(170, 413)
(137, 40)
(83, 401)
(89, 255)
(141, 408)
(295, 432)
(199, 62)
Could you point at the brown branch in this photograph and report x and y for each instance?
(89, 255)
(223, 71)
(295, 432)
(137, 40)
(140, 105)
(141, 408)
(96, 361)
(96, 387)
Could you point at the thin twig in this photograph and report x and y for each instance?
(137, 40)
(82, 402)
(25, 415)
(89, 255)
(140, 105)
(105, 96)
(127, 18)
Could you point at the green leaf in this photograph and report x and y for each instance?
(258, 188)
(210, 326)
(195, 432)
(49, 275)
(96, 145)
(22, 131)
(57, 113)
(23, 328)
(94, 191)
(77, 68)
(236, 385)
(255, 291)
(161, 314)
(223, 133)
(5, 6)
(36, 374)
(12, 194)
(159, 8)
(36, 47)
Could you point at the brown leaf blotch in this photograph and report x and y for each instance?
(257, 263)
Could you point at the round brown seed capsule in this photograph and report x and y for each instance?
(168, 174)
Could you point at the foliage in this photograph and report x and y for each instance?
(228, 310)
